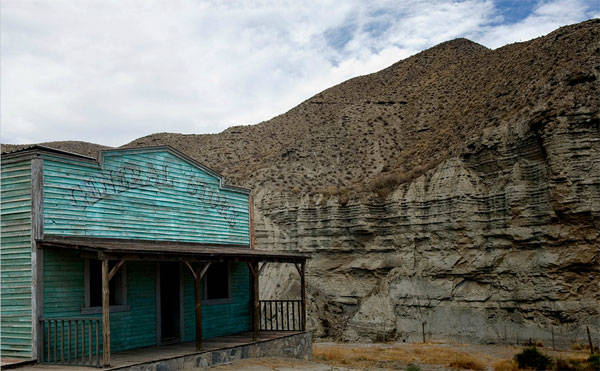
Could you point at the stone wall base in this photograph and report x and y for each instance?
(292, 346)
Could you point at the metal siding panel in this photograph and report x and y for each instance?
(15, 261)
(153, 195)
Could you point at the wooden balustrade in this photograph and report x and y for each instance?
(72, 341)
(281, 315)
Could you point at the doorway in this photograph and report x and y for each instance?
(169, 303)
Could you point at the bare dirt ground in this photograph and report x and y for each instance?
(398, 356)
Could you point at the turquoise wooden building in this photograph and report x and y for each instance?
(137, 248)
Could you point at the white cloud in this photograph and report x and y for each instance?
(110, 72)
(545, 18)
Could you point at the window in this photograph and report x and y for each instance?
(217, 283)
(93, 287)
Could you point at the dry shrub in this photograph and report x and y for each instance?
(466, 362)
(506, 365)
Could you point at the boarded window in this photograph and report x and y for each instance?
(217, 282)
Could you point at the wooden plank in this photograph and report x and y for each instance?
(158, 306)
(181, 303)
(203, 271)
(156, 187)
(251, 216)
(37, 231)
(252, 291)
(115, 269)
(19, 265)
(256, 295)
(55, 339)
(76, 339)
(105, 314)
(187, 264)
(97, 343)
(303, 293)
(90, 341)
(198, 307)
(262, 267)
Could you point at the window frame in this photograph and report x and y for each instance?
(86, 308)
(228, 299)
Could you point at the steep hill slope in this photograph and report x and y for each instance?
(398, 122)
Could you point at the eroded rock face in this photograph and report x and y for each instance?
(499, 244)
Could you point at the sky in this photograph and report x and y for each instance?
(109, 72)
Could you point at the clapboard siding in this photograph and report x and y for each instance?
(220, 319)
(136, 327)
(15, 261)
(64, 297)
(145, 195)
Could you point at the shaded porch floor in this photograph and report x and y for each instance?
(140, 356)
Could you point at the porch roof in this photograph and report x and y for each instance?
(129, 249)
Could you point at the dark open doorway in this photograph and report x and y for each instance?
(169, 302)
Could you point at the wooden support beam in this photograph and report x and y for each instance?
(105, 314)
(254, 294)
(200, 272)
(251, 267)
(301, 270)
(298, 268)
(197, 294)
(255, 297)
(203, 271)
(262, 267)
(191, 269)
(115, 269)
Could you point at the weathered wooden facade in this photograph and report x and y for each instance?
(141, 247)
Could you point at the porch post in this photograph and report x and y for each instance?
(303, 289)
(253, 267)
(256, 311)
(105, 314)
(197, 281)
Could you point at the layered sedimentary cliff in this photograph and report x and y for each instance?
(499, 244)
(458, 188)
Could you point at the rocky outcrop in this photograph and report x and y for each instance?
(498, 244)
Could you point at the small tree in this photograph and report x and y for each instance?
(532, 358)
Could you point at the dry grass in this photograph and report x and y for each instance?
(395, 356)
(456, 356)
(466, 362)
(505, 365)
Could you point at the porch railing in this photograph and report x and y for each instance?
(280, 315)
(72, 341)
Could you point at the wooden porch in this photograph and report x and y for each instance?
(236, 346)
(92, 336)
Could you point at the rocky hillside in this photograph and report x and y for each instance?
(459, 188)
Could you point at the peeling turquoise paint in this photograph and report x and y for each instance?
(15, 261)
(136, 327)
(142, 195)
